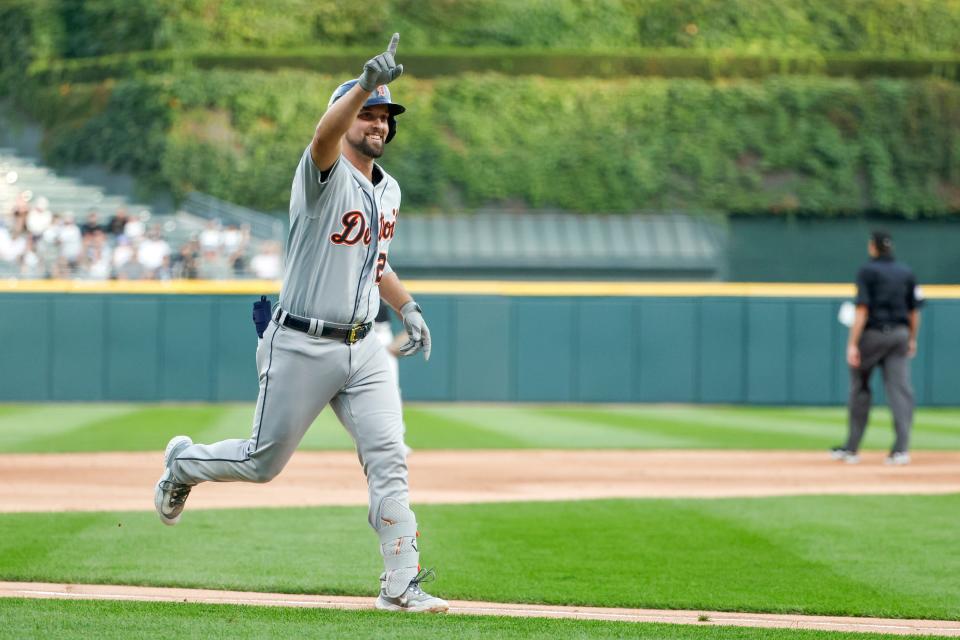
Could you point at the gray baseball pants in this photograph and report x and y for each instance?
(300, 375)
(889, 350)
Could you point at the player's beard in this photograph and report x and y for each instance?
(366, 148)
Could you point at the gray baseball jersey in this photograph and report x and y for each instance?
(340, 232)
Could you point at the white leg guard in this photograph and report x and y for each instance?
(397, 529)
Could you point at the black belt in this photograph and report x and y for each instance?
(349, 334)
(888, 327)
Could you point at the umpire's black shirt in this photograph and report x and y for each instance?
(889, 291)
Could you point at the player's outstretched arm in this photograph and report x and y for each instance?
(381, 69)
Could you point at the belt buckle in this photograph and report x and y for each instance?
(352, 334)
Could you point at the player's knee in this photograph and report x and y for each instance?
(266, 471)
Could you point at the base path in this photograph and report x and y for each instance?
(462, 607)
(124, 481)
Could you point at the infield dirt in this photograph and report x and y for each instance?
(124, 481)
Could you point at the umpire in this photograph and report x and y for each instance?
(884, 332)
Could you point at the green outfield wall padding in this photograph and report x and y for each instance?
(545, 352)
(604, 343)
(944, 382)
(722, 351)
(667, 335)
(133, 359)
(481, 340)
(27, 350)
(434, 380)
(759, 350)
(187, 349)
(768, 351)
(78, 346)
(812, 345)
(235, 344)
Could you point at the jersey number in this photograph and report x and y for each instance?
(381, 264)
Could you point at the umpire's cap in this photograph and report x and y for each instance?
(381, 95)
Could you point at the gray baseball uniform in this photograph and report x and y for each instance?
(340, 232)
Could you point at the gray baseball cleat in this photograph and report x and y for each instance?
(844, 455)
(170, 496)
(414, 599)
(898, 458)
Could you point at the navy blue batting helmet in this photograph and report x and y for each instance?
(381, 95)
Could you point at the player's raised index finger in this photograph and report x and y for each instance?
(392, 47)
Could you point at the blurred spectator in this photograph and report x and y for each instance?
(165, 270)
(91, 224)
(51, 235)
(96, 244)
(40, 217)
(239, 264)
(187, 261)
(131, 269)
(136, 226)
(71, 239)
(97, 263)
(213, 266)
(6, 242)
(235, 238)
(18, 214)
(154, 250)
(267, 265)
(16, 246)
(118, 222)
(235, 242)
(211, 238)
(60, 269)
(29, 263)
(122, 253)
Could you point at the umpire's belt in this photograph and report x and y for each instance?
(349, 333)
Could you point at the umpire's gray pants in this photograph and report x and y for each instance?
(299, 376)
(889, 350)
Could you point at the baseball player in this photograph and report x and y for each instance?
(315, 350)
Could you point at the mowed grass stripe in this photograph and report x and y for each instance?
(13, 409)
(110, 620)
(946, 421)
(125, 427)
(429, 428)
(38, 427)
(769, 430)
(804, 523)
(699, 429)
(880, 556)
(537, 429)
(151, 427)
(790, 428)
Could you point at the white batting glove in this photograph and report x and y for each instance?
(382, 69)
(417, 331)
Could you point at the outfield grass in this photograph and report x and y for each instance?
(138, 427)
(882, 556)
(122, 620)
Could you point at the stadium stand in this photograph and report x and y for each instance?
(54, 226)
